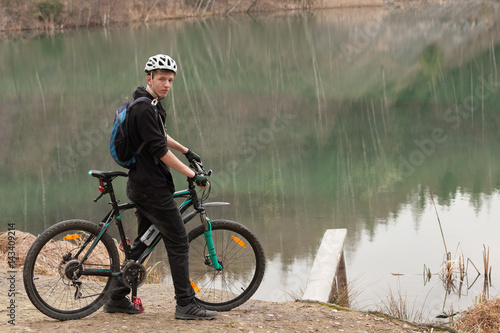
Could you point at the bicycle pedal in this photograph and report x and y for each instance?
(121, 245)
(138, 303)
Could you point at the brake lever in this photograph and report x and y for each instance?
(200, 170)
(198, 167)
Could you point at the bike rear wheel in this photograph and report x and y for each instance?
(243, 261)
(51, 277)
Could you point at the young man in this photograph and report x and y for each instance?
(150, 187)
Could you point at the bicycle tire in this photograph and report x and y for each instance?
(45, 273)
(243, 260)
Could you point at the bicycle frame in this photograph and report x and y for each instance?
(190, 200)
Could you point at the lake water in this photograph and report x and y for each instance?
(310, 121)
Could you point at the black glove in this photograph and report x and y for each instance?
(201, 181)
(192, 156)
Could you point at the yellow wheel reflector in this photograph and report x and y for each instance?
(69, 237)
(238, 241)
(195, 287)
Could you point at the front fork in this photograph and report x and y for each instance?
(210, 242)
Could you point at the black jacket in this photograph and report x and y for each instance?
(149, 175)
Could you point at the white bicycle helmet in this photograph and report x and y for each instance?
(160, 61)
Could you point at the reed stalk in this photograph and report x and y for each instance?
(449, 268)
(486, 262)
(448, 255)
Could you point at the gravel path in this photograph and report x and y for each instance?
(253, 316)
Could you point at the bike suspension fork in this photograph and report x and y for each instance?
(210, 242)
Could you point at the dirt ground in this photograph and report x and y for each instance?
(253, 316)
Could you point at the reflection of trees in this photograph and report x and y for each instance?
(354, 176)
(333, 158)
(431, 60)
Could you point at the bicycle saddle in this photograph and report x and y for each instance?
(107, 175)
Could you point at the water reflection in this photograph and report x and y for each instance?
(332, 119)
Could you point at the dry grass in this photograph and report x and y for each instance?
(486, 262)
(397, 306)
(340, 296)
(484, 316)
(455, 270)
(156, 272)
(22, 245)
(48, 260)
(345, 295)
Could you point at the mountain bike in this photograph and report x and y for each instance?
(73, 266)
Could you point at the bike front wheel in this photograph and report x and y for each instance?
(52, 271)
(242, 259)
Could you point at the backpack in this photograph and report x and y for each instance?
(119, 145)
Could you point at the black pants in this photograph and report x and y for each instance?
(162, 211)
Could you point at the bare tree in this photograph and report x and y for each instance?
(252, 5)
(233, 8)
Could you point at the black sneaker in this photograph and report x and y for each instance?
(120, 306)
(194, 311)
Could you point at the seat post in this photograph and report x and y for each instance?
(111, 192)
(107, 178)
(118, 218)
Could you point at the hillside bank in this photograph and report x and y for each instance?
(52, 15)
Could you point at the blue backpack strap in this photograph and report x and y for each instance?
(141, 99)
(145, 99)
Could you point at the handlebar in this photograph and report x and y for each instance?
(198, 167)
(105, 178)
(199, 171)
